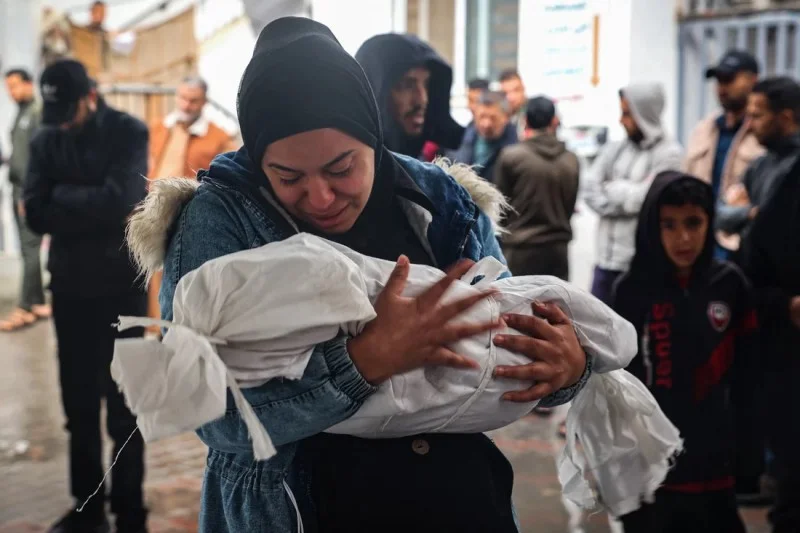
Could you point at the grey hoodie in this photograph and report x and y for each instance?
(619, 179)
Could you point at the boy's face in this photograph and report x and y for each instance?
(683, 234)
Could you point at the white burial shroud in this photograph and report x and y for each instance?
(249, 317)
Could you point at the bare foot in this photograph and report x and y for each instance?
(42, 311)
(17, 319)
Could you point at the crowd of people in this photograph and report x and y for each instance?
(696, 247)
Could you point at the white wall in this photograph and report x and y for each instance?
(654, 54)
(637, 42)
(355, 21)
(226, 44)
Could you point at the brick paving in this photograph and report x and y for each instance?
(33, 468)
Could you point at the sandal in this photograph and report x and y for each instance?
(42, 311)
(18, 319)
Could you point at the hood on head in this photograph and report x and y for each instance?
(650, 258)
(385, 58)
(547, 146)
(646, 101)
(150, 226)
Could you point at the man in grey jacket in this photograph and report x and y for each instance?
(620, 177)
(31, 306)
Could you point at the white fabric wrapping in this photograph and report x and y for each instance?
(246, 318)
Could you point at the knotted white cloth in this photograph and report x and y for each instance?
(246, 318)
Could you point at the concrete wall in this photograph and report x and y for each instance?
(654, 52)
(637, 42)
(18, 21)
(354, 21)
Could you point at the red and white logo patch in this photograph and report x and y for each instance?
(720, 315)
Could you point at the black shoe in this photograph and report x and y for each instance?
(75, 522)
(132, 523)
(126, 530)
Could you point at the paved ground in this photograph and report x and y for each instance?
(32, 443)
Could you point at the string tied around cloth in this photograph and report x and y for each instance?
(179, 384)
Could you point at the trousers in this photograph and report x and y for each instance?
(603, 283)
(550, 259)
(32, 290)
(679, 512)
(85, 339)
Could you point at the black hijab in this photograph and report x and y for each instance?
(301, 79)
(386, 58)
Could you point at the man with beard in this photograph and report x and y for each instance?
(511, 84)
(771, 258)
(186, 140)
(84, 178)
(31, 305)
(486, 137)
(722, 146)
(620, 177)
(411, 83)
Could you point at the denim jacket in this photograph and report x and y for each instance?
(228, 212)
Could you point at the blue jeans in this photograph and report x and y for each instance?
(603, 283)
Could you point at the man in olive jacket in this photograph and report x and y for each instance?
(31, 305)
(539, 176)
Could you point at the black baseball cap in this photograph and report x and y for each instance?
(63, 84)
(540, 112)
(733, 62)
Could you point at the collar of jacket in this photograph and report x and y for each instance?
(198, 128)
(456, 191)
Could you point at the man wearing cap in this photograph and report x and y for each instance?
(412, 84)
(722, 146)
(539, 176)
(85, 176)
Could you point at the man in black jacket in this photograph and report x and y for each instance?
(85, 176)
(411, 83)
(771, 257)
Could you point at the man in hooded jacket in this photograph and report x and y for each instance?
(771, 258)
(412, 84)
(620, 177)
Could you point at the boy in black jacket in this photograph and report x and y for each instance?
(689, 310)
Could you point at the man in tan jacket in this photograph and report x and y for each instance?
(186, 141)
(183, 143)
(722, 146)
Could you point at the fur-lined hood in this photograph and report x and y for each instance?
(150, 223)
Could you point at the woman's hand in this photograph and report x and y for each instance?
(409, 333)
(558, 359)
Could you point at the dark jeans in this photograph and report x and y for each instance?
(545, 260)
(603, 283)
(32, 291)
(678, 512)
(85, 348)
(748, 402)
(784, 441)
(418, 484)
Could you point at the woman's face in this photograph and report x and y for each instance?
(322, 177)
